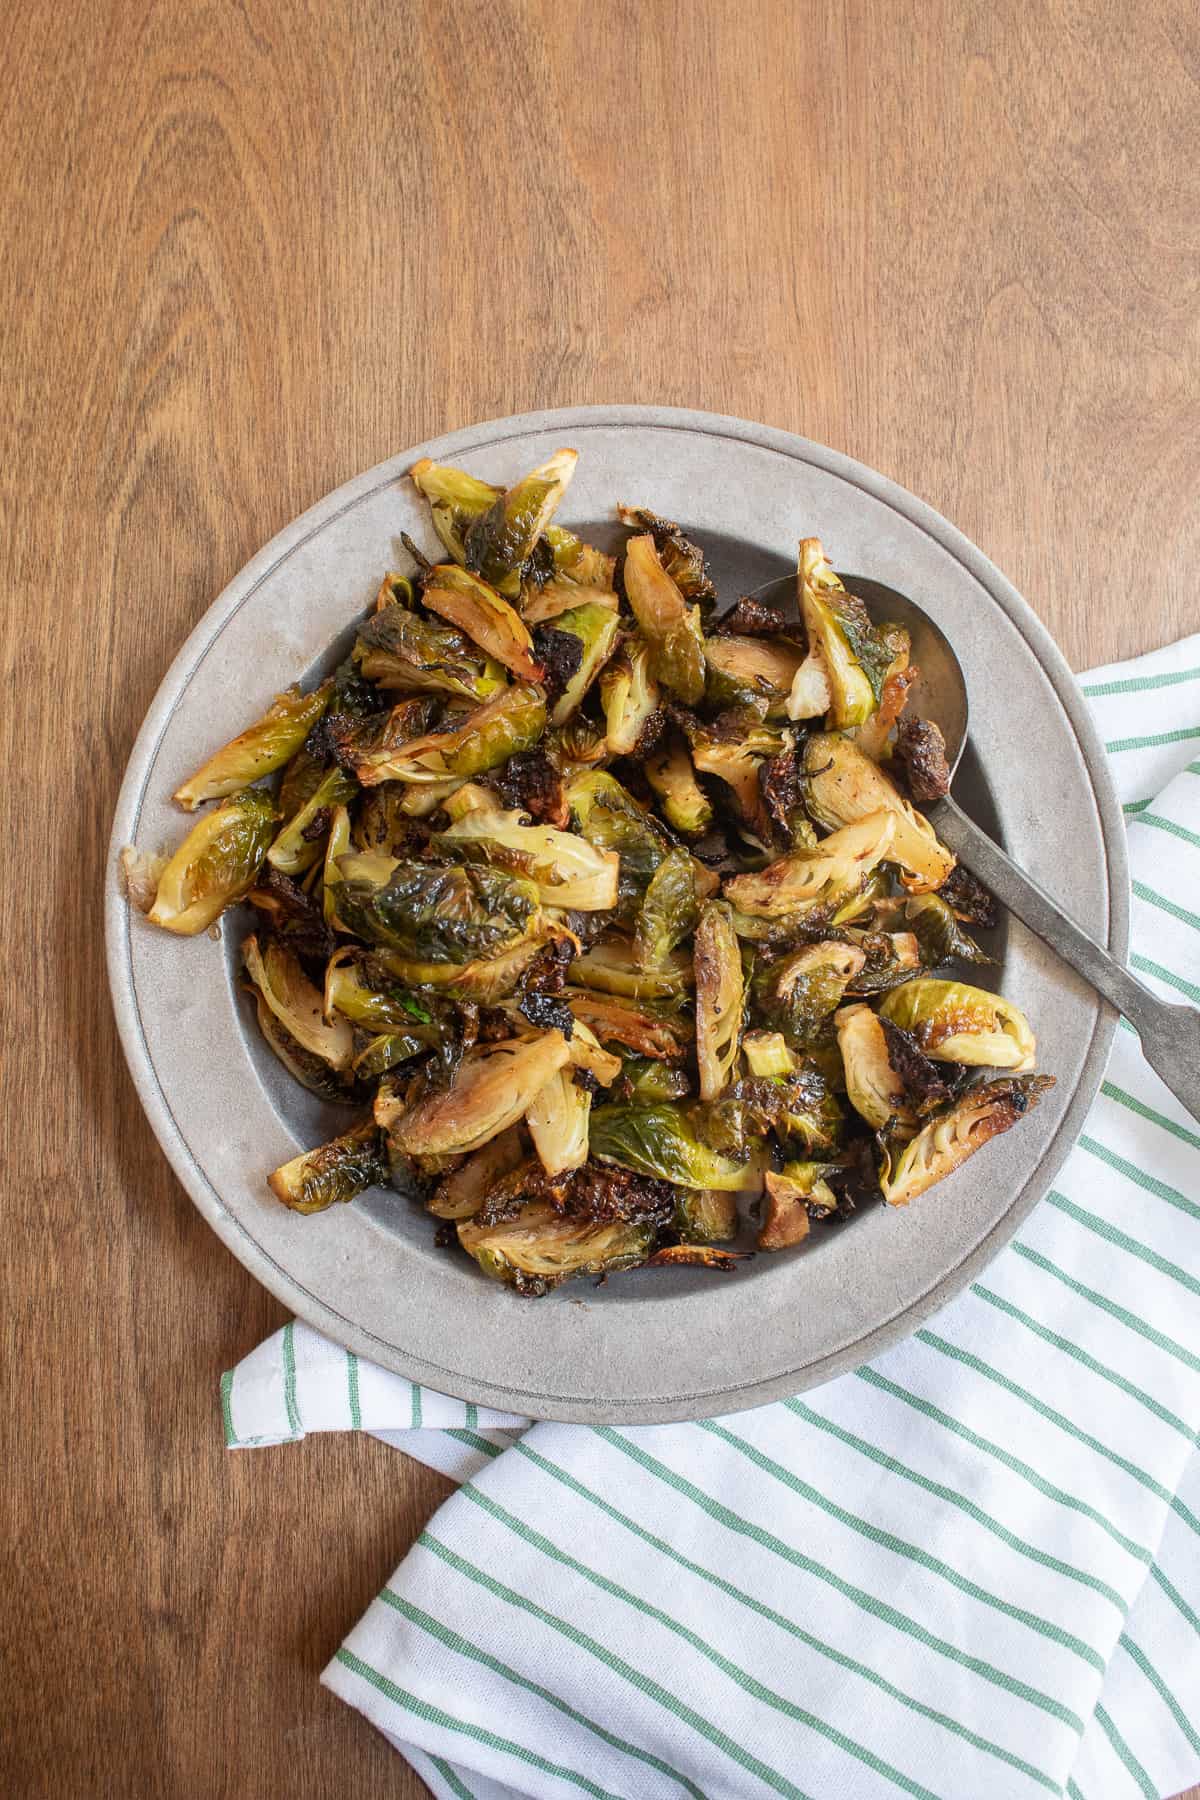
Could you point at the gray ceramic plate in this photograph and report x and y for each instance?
(653, 1345)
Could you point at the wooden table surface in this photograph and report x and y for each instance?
(251, 248)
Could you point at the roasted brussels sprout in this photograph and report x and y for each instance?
(312, 1072)
(822, 878)
(493, 1087)
(767, 1053)
(612, 965)
(649, 1027)
(921, 753)
(669, 910)
(671, 774)
(430, 913)
(337, 1171)
(213, 867)
(629, 695)
(398, 649)
(565, 572)
(720, 994)
(259, 750)
(810, 696)
(952, 1022)
(872, 738)
(337, 844)
(483, 981)
(875, 1090)
(682, 560)
(889, 957)
(357, 987)
(499, 542)
(301, 842)
(855, 655)
(461, 1193)
(511, 720)
(465, 600)
(647, 1080)
(286, 990)
(845, 786)
(939, 934)
(660, 1140)
(671, 629)
(610, 817)
(540, 1248)
(456, 500)
(594, 629)
(793, 1197)
(945, 1143)
(798, 993)
(557, 1118)
(734, 748)
(746, 671)
(567, 871)
(705, 1216)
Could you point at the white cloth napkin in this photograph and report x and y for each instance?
(970, 1570)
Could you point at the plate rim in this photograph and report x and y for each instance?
(206, 633)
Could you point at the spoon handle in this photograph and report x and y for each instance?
(1170, 1034)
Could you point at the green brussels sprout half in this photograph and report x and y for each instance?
(397, 648)
(512, 720)
(720, 996)
(335, 1172)
(873, 1087)
(671, 774)
(855, 656)
(750, 672)
(952, 1022)
(705, 1216)
(499, 542)
(568, 871)
(279, 980)
(844, 786)
(493, 1087)
(456, 500)
(430, 913)
(629, 695)
(540, 1249)
(670, 628)
(799, 992)
(465, 600)
(668, 912)
(940, 936)
(660, 1140)
(214, 866)
(595, 628)
(300, 844)
(953, 1135)
(822, 878)
(259, 750)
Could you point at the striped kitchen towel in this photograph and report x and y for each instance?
(969, 1570)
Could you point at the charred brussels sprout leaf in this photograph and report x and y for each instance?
(720, 995)
(660, 1140)
(952, 1022)
(669, 910)
(647, 1080)
(540, 1249)
(649, 1027)
(610, 817)
(921, 753)
(499, 542)
(629, 695)
(215, 865)
(939, 934)
(259, 750)
(568, 872)
(594, 630)
(456, 500)
(612, 965)
(301, 842)
(799, 992)
(946, 1142)
(398, 649)
(337, 1171)
(735, 748)
(484, 615)
(705, 1216)
(746, 671)
(845, 786)
(856, 657)
(285, 989)
(493, 1087)
(359, 989)
(875, 1090)
(682, 560)
(312, 1072)
(430, 913)
(670, 628)
(684, 803)
(822, 878)
(511, 720)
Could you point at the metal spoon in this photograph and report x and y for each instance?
(1170, 1034)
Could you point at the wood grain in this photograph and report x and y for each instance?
(253, 247)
